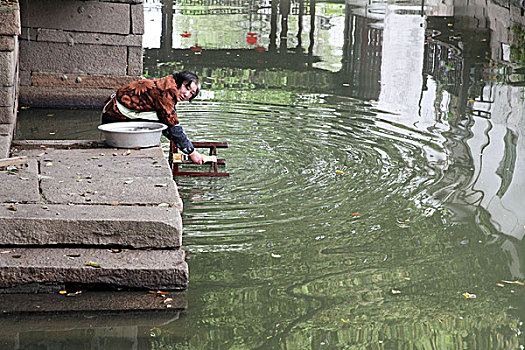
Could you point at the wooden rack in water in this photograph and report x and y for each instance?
(177, 159)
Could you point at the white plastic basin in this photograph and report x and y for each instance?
(132, 134)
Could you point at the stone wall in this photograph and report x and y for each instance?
(9, 32)
(76, 53)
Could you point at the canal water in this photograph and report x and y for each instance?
(375, 197)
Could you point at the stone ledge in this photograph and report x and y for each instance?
(156, 269)
(63, 97)
(90, 225)
(7, 43)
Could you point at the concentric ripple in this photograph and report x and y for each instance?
(301, 168)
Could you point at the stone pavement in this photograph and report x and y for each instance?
(79, 205)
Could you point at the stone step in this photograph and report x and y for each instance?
(144, 269)
(90, 225)
(91, 197)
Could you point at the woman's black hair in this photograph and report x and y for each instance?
(186, 78)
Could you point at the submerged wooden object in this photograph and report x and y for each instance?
(177, 159)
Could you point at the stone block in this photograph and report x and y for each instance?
(7, 98)
(82, 16)
(5, 144)
(73, 38)
(8, 64)
(92, 81)
(137, 19)
(10, 23)
(24, 77)
(7, 115)
(157, 269)
(134, 61)
(90, 225)
(516, 14)
(60, 57)
(7, 43)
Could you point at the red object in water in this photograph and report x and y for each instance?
(185, 34)
(196, 48)
(260, 48)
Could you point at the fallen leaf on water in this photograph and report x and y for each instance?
(275, 255)
(340, 172)
(395, 291)
(345, 320)
(500, 284)
(50, 115)
(355, 214)
(514, 282)
(469, 295)
(92, 264)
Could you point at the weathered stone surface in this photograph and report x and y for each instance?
(137, 19)
(74, 38)
(91, 301)
(134, 61)
(90, 225)
(7, 43)
(82, 16)
(7, 98)
(20, 186)
(10, 23)
(8, 62)
(155, 269)
(91, 81)
(5, 144)
(60, 57)
(63, 97)
(7, 115)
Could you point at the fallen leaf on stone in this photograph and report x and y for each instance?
(163, 205)
(115, 250)
(12, 208)
(92, 264)
(73, 255)
(167, 300)
(158, 292)
(5, 252)
(161, 185)
(73, 294)
(469, 295)
(114, 203)
(49, 164)
(127, 153)
(62, 292)
(127, 182)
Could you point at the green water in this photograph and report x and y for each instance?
(375, 197)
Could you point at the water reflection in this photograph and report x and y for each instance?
(374, 149)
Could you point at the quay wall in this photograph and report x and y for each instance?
(9, 70)
(75, 53)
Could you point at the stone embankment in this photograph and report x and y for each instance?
(92, 215)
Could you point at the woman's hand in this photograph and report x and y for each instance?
(196, 157)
